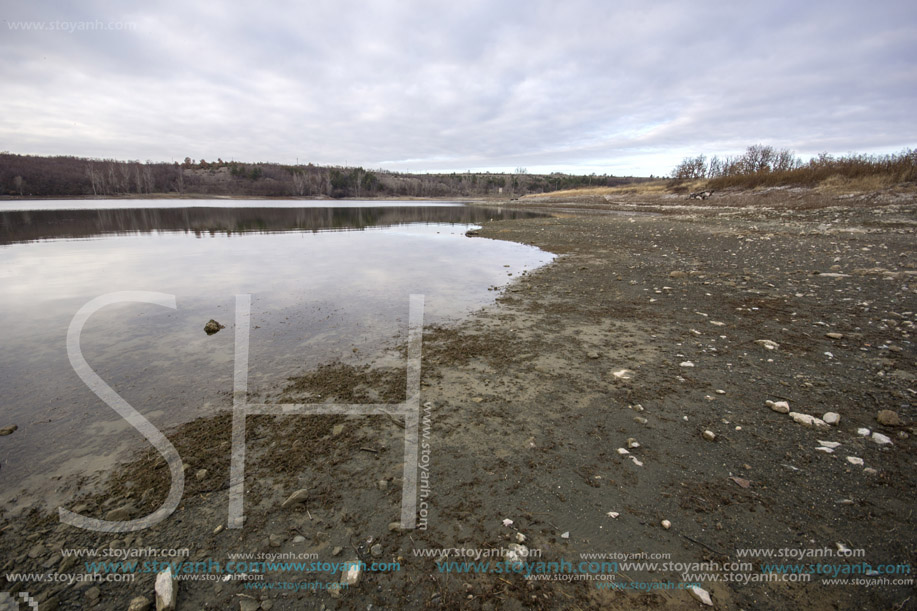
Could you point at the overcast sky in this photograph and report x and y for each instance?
(605, 86)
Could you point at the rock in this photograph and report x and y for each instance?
(781, 407)
(677, 274)
(834, 335)
(632, 443)
(37, 550)
(832, 418)
(623, 451)
(275, 540)
(218, 529)
(297, 498)
(869, 471)
(507, 522)
(863, 432)
(337, 429)
(299, 539)
(249, 604)
(267, 605)
(829, 444)
(768, 344)
(395, 527)
(121, 514)
(613, 514)
(565, 535)
(166, 589)
(212, 327)
(881, 439)
(824, 449)
(349, 577)
(709, 435)
(888, 418)
(93, 594)
(623, 374)
(376, 550)
(8, 430)
(515, 554)
(200, 474)
(592, 355)
(720, 391)
(701, 595)
(666, 524)
(686, 364)
(855, 460)
(809, 421)
(520, 538)
(139, 603)
(382, 484)
(337, 551)
(640, 420)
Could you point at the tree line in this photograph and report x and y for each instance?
(763, 165)
(66, 176)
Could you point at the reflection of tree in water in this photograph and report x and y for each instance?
(28, 225)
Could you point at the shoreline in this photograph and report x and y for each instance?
(527, 417)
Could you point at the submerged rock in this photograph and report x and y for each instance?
(212, 327)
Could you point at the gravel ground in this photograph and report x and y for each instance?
(661, 324)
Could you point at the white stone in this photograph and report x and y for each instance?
(881, 439)
(507, 522)
(520, 538)
(515, 554)
(701, 595)
(809, 421)
(613, 514)
(623, 374)
(829, 444)
(565, 535)
(855, 460)
(770, 345)
(166, 589)
(666, 524)
(832, 418)
(709, 435)
(686, 364)
(623, 451)
(781, 407)
(825, 450)
(863, 432)
(636, 461)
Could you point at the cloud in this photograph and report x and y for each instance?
(617, 87)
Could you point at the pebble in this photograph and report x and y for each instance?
(507, 522)
(8, 430)
(701, 595)
(623, 451)
(686, 364)
(376, 550)
(218, 529)
(520, 538)
(869, 471)
(720, 391)
(249, 604)
(832, 418)
(834, 335)
(824, 449)
(809, 421)
(93, 594)
(888, 418)
(200, 474)
(632, 443)
(337, 550)
(299, 539)
(395, 527)
(349, 578)
(166, 589)
(855, 460)
(640, 420)
(613, 514)
(139, 603)
(829, 444)
(709, 435)
(666, 524)
(881, 439)
(781, 407)
(863, 432)
(623, 374)
(768, 344)
(337, 429)
(565, 535)
(298, 497)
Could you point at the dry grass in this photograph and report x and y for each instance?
(656, 187)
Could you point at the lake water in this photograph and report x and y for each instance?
(327, 283)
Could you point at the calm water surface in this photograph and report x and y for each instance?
(326, 284)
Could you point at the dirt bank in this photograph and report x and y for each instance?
(647, 330)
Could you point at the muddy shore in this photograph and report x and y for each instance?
(661, 319)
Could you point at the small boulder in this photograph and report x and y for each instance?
(781, 407)
(832, 418)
